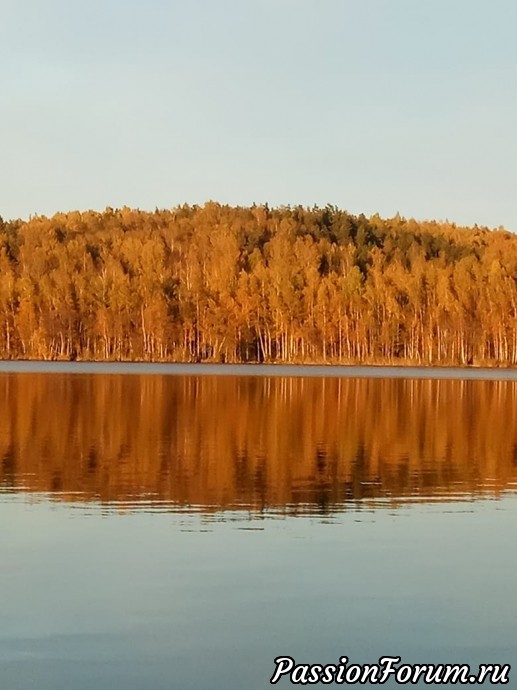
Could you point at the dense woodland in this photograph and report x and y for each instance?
(282, 443)
(217, 283)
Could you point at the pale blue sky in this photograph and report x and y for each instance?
(372, 105)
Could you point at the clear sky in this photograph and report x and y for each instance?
(381, 106)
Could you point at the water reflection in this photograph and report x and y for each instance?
(265, 444)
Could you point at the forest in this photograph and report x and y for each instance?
(256, 284)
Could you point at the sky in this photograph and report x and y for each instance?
(375, 106)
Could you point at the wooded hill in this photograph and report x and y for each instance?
(217, 283)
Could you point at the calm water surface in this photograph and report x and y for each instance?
(181, 531)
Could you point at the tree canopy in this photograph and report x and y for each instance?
(249, 284)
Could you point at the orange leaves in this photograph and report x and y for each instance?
(241, 284)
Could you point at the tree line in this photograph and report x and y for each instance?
(256, 284)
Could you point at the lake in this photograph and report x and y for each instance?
(183, 526)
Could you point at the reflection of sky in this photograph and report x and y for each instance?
(184, 601)
(261, 370)
(376, 106)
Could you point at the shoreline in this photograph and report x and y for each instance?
(259, 370)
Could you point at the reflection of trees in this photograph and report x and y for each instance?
(275, 442)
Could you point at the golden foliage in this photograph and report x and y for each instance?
(256, 284)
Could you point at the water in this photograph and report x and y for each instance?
(261, 370)
(183, 531)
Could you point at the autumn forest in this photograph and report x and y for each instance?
(235, 284)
